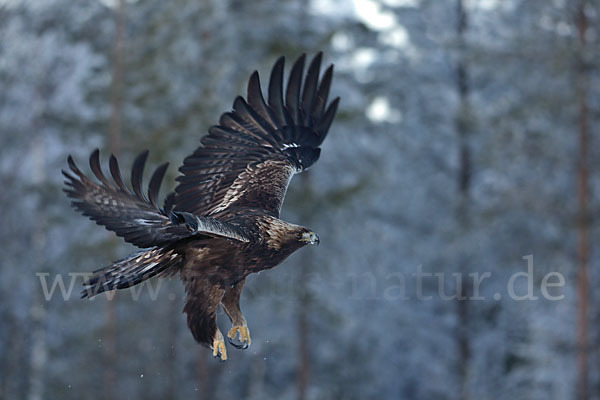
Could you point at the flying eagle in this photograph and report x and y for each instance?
(222, 221)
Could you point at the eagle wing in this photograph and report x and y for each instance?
(247, 161)
(132, 215)
(131, 270)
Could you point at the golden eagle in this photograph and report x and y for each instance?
(222, 221)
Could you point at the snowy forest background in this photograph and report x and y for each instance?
(464, 143)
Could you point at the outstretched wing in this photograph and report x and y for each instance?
(136, 268)
(248, 159)
(132, 215)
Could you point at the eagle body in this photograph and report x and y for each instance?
(227, 261)
(222, 221)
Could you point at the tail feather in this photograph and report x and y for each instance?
(132, 270)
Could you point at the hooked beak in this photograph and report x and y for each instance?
(311, 238)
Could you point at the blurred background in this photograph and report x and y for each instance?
(465, 146)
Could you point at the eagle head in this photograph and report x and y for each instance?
(306, 236)
(297, 236)
(288, 237)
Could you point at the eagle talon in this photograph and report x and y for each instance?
(218, 348)
(244, 333)
(242, 346)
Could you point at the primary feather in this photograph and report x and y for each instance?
(259, 142)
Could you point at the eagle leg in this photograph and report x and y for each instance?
(218, 346)
(203, 298)
(231, 305)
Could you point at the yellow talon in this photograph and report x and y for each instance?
(218, 347)
(244, 333)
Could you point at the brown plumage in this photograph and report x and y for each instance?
(222, 222)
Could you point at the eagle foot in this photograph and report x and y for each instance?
(244, 333)
(218, 347)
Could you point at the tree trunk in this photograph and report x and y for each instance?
(116, 86)
(114, 136)
(257, 378)
(303, 369)
(172, 313)
(202, 374)
(303, 299)
(463, 129)
(583, 249)
(11, 357)
(303, 355)
(38, 356)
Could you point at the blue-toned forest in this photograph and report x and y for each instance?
(457, 199)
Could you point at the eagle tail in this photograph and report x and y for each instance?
(132, 270)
